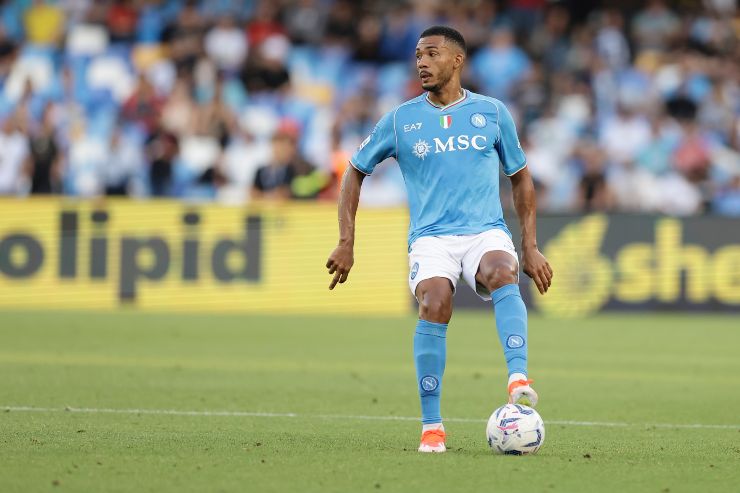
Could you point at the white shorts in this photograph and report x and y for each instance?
(454, 257)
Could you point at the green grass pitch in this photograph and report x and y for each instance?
(322, 381)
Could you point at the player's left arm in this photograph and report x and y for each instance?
(514, 163)
(534, 264)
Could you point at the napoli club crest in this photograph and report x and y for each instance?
(478, 120)
(514, 342)
(429, 383)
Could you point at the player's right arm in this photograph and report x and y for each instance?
(380, 145)
(342, 258)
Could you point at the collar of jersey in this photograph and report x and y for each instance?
(442, 108)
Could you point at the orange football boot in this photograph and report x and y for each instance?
(521, 393)
(433, 441)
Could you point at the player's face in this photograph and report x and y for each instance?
(435, 62)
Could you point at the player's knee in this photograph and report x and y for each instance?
(500, 275)
(436, 307)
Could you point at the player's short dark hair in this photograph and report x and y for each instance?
(450, 34)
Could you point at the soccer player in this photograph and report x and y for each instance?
(449, 143)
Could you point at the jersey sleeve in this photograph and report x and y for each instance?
(509, 149)
(378, 146)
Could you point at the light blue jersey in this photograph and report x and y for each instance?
(450, 158)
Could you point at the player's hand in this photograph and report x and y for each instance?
(535, 266)
(340, 262)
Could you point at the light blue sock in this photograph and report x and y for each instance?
(511, 323)
(430, 353)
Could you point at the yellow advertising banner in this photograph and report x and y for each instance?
(174, 256)
(270, 258)
(640, 263)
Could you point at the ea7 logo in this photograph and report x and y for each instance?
(462, 142)
(412, 126)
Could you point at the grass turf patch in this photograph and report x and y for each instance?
(633, 371)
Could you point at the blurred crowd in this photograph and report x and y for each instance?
(628, 107)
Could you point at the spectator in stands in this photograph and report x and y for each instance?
(162, 147)
(86, 159)
(124, 167)
(594, 191)
(611, 43)
(580, 56)
(727, 201)
(239, 163)
(273, 180)
(144, 106)
(204, 104)
(152, 21)
(184, 36)
(265, 23)
(692, 157)
(44, 161)
(341, 24)
(75, 11)
(214, 118)
(716, 111)
(44, 23)
(179, 113)
(305, 22)
(367, 45)
(550, 44)
(288, 175)
(121, 21)
(13, 154)
(266, 70)
(655, 27)
(7, 53)
(655, 156)
(226, 45)
(526, 14)
(400, 34)
(66, 106)
(625, 134)
(500, 65)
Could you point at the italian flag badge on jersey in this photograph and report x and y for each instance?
(445, 121)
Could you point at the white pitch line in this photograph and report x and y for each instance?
(253, 414)
(171, 412)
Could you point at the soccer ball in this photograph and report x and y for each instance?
(514, 429)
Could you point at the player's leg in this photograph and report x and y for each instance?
(430, 354)
(498, 272)
(435, 268)
(492, 267)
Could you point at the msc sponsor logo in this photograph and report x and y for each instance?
(140, 257)
(460, 143)
(421, 148)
